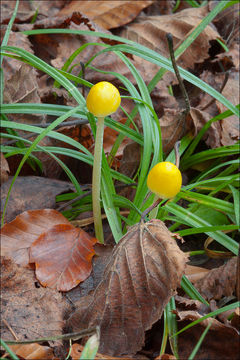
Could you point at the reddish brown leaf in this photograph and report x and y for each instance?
(107, 14)
(145, 269)
(62, 256)
(33, 351)
(18, 235)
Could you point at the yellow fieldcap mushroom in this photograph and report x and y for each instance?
(165, 180)
(103, 99)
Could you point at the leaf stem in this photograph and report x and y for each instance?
(96, 181)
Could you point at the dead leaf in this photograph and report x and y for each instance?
(31, 192)
(22, 87)
(227, 21)
(145, 269)
(11, 66)
(4, 169)
(33, 351)
(107, 14)
(216, 341)
(62, 256)
(18, 235)
(230, 126)
(195, 273)
(151, 31)
(219, 282)
(30, 310)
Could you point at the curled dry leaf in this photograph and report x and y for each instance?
(219, 282)
(107, 14)
(145, 269)
(62, 256)
(18, 235)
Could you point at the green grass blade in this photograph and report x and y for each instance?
(30, 149)
(195, 221)
(236, 200)
(171, 319)
(199, 343)
(191, 291)
(7, 348)
(211, 314)
(48, 69)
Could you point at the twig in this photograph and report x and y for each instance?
(177, 154)
(150, 208)
(174, 64)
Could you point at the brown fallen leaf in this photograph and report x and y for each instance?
(219, 282)
(142, 274)
(216, 344)
(62, 256)
(4, 169)
(151, 31)
(30, 310)
(107, 14)
(18, 235)
(22, 87)
(31, 192)
(33, 351)
(11, 66)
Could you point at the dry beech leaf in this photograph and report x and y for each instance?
(151, 31)
(11, 66)
(62, 256)
(107, 14)
(18, 235)
(31, 310)
(32, 192)
(219, 282)
(4, 169)
(33, 351)
(217, 340)
(22, 87)
(143, 273)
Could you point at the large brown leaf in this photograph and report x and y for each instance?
(62, 256)
(145, 269)
(18, 235)
(28, 309)
(30, 193)
(107, 14)
(151, 31)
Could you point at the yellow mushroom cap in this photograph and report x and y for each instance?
(164, 180)
(103, 99)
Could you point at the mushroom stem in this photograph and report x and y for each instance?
(150, 208)
(96, 180)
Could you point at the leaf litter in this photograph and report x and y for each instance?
(147, 262)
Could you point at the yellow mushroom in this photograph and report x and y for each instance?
(165, 180)
(103, 99)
